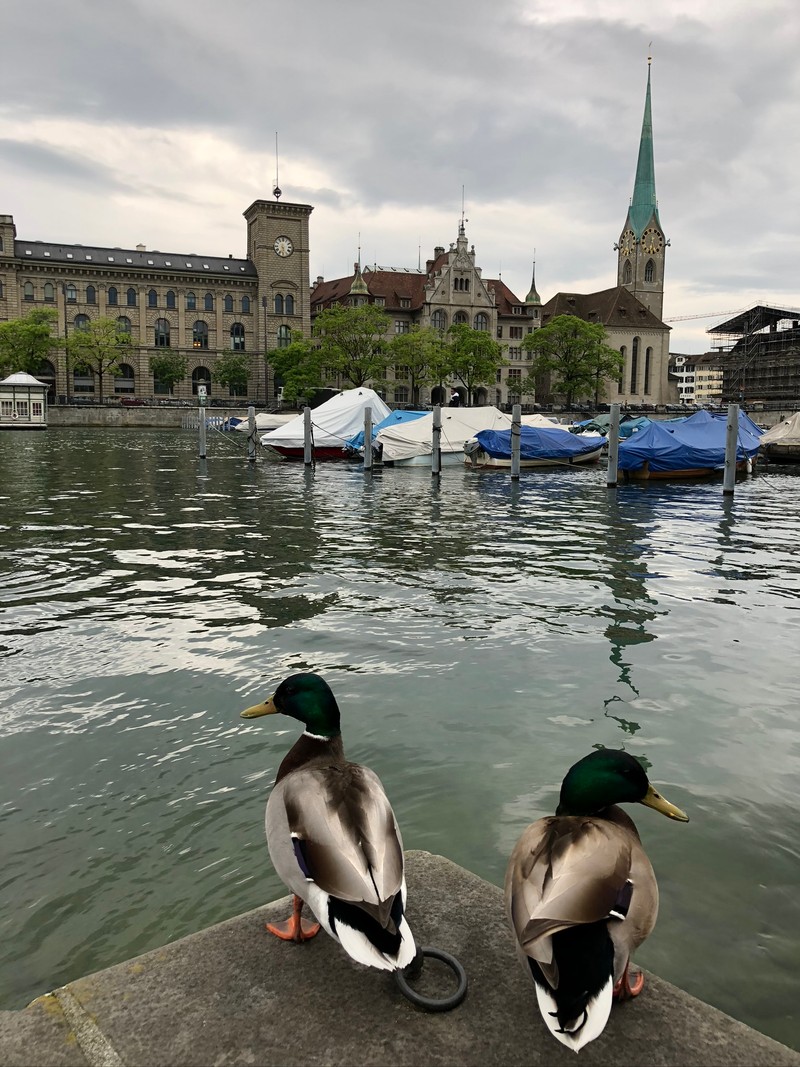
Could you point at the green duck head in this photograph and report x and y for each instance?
(305, 697)
(610, 776)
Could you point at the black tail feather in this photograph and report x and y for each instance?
(386, 939)
(585, 958)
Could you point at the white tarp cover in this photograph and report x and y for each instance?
(265, 420)
(333, 422)
(785, 433)
(409, 439)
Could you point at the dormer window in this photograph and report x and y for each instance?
(405, 302)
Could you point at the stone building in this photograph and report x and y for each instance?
(450, 290)
(196, 304)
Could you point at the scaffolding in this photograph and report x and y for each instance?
(759, 352)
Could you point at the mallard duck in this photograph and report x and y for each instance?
(333, 837)
(581, 895)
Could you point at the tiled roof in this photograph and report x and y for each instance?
(616, 307)
(131, 259)
(395, 285)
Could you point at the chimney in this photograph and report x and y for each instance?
(141, 248)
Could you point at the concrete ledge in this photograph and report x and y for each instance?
(234, 995)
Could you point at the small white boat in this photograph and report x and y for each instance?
(410, 444)
(781, 444)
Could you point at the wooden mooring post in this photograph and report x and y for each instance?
(368, 440)
(731, 445)
(251, 434)
(308, 452)
(436, 442)
(516, 422)
(613, 447)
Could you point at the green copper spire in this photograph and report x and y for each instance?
(533, 297)
(644, 205)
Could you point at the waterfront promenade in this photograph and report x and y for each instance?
(232, 994)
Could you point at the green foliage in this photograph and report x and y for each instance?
(25, 342)
(472, 357)
(351, 341)
(100, 346)
(168, 367)
(574, 352)
(420, 354)
(298, 367)
(232, 369)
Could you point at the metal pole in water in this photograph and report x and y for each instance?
(731, 443)
(613, 447)
(201, 421)
(516, 419)
(308, 456)
(251, 434)
(436, 442)
(368, 440)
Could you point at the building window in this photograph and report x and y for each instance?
(237, 337)
(171, 300)
(208, 302)
(380, 301)
(124, 380)
(401, 325)
(498, 376)
(161, 339)
(83, 381)
(401, 394)
(284, 337)
(200, 334)
(191, 302)
(152, 298)
(289, 304)
(227, 302)
(621, 380)
(49, 292)
(648, 359)
(650, 271)
(481, 321)
(515, 353)
(81, 322)
(439, 320)
(72, 294)
(515, 333)
(27, 291)
(405, 302)
(460, 318)
(401, 372)
(245, 305)
(517, 310)
(131, 297)
(112, 296)
(499, 331)
(461, 285)
(91, 294)
(278, 304)
(201, 376)
(634, 365)
(123, 324)
(627, 273)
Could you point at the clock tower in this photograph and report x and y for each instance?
(641, 247)
(278, 247)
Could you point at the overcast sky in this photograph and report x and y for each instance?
(154, 122)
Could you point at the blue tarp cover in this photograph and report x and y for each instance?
(356, 442)
(537, 442)
(696, 443)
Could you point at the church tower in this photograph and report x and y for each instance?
(642, 246)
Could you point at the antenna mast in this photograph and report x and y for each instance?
(276, 192)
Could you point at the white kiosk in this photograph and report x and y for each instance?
(23, 403)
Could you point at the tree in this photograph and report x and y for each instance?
(25, 342)
(574, 352)
(99, 346)
(350, 341)
(419, 354)
(232, 369)
(298, 367)
(168, 367)
(472, 357)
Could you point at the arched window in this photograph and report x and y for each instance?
(201, 376)
(112, 296)
(161, 338)
(123, 324)
(171, 300)
(439, 320)
(278, 304)
(81, 322)
(245, 305)
(200, 334)
(124, 380)
(91, 294)
(227, 302)
(237, 337)
(152, 298)
(627, 273)
(191, 302)
(634, 365)
(131, 297)
(208, 302)
(49, 292)
(650, 271)
(621, 380)
(460, 318)
(71, 293)
(284, 337)
(481, 321)
(289, 305)
(27, 291)
(648, 360)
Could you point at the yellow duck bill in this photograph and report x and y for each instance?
(653, 799)
(265, 708)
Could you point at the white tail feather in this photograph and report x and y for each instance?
(360, 948)
(597, 1012)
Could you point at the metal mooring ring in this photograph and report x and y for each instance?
(414, 969)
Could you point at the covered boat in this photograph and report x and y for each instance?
(540, 446)
(686, 448)
(332, 425)
(781, 444)
(411, 443)
(356, 443)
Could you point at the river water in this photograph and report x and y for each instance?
(480, 636)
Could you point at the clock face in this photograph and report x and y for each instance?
(628, 243)
(283, 246)
(652, 240)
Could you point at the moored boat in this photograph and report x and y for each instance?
(332, 425)
(686, 448)
(540, 446)
(781, 444)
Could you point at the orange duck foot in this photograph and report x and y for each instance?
(294, 928)
(625, 989)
